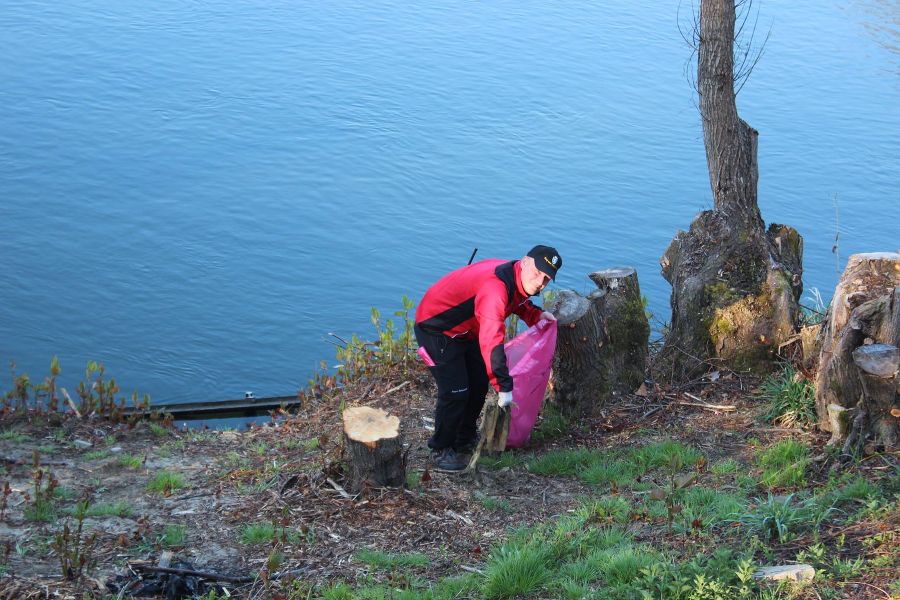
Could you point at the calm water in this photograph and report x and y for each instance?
(196, 193)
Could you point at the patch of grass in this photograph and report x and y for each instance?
(96, 455)
(158, 430)
(413, 480)
(166, 482)
(610, 471)
(569, 462)
(495, 503)
(664, 454)
(607, 509)
(63, 493)
(311, 444)
(130, 461)
(258, 533)
(551, 425)
(504, 460)
(779, 518)
(260, 448)
(791, 397)
(725, 467)
(173, 535)
(389, 562)
(47, 449)
(516, 569)
(703, 508)
(41, 510)
(14, 436)
(116, 509)
(784, 464)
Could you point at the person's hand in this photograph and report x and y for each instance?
(547, 316)
(505, 399)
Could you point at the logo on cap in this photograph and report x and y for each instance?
(553, 262)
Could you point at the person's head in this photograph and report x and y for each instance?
(539, 268)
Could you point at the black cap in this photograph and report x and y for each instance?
(546, 259)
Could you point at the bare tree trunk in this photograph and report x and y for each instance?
(735, 286)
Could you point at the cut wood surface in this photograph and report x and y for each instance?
(376, 451)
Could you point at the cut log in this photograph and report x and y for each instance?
(602, 342)
(860, 328)
(376, 453)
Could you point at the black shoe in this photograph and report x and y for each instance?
(447, 459)
(468, 447)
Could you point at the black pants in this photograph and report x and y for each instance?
(462, 384)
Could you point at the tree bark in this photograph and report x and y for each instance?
(601, 348)
(735, 286)
(864, 311)
(376, 453)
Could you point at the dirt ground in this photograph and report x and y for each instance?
(288, 473)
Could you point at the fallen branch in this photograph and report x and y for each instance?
(71, 404)
(722, 407)
(338, 488)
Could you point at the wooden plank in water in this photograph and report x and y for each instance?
(248, 406)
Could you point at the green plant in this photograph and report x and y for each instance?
(166, 482)
(116, 509)
(779, 518)
(784, 464)
(14, 436)
(45, 484)
(516, 569)
(131, 461)
(552, 424)
(494, 503)
(791, 398)
(96, 455)
(158, 430)
(75, 555)
(172, 535)
(258, 533)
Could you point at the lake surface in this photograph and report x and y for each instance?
(196, 194)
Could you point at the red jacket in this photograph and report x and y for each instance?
(472, 303)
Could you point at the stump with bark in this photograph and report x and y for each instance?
(372, 438)
(735, 286)
(601, 347)
(858, 343)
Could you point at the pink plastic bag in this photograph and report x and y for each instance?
(529, 356)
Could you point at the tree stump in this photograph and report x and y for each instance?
(602, 342)
(376, 452)
(864, 311)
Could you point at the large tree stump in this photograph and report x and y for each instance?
(865, 310)
(376, 453)
(601, 346)
(878, 365)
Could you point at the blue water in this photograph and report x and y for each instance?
(196, 194)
